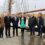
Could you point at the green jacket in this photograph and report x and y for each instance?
(22, 25)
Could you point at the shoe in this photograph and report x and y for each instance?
(2, 37)
(9, 36)
(6, 36)
(22, 35)
(31, 34)
(40, 36)
(13, 36)
(16, 35)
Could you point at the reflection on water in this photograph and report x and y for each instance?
(38, 41)
(22, 41)
(33, 40)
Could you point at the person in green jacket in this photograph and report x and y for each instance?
(22, 24)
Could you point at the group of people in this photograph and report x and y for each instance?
(32, 22)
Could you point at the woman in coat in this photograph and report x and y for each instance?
(22, 24)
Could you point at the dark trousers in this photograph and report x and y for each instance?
(7, 31)
(39, 31)
(15, 29)
(32, 30)
(22, 31)
(1, 32)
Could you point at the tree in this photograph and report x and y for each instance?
(10, 6)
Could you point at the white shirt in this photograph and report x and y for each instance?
(15, 18)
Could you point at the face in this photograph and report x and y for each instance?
(22, 16)
(40, 15)
(31, 15)
(14, 15)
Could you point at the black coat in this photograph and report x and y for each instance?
(32, 22)
(15, 22)
(40, 22)
(24, 20)
(7, 21)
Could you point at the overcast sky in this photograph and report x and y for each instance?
(22, 5)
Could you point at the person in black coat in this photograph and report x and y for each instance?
(15, 21)
(40, 25)
(31, 23)
(7, 21)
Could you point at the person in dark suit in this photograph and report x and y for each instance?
(7, 21)
(40, 24)
(31, 23)
(15, 21)
(22, 24)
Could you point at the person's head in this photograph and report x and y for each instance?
(5, 14)
(13, 15)
(22, 16)
(40, 14)
(31, 15)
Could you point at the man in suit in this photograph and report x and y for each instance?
(15, 21)
(40, 24)
(31, 24)
(7, 21)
